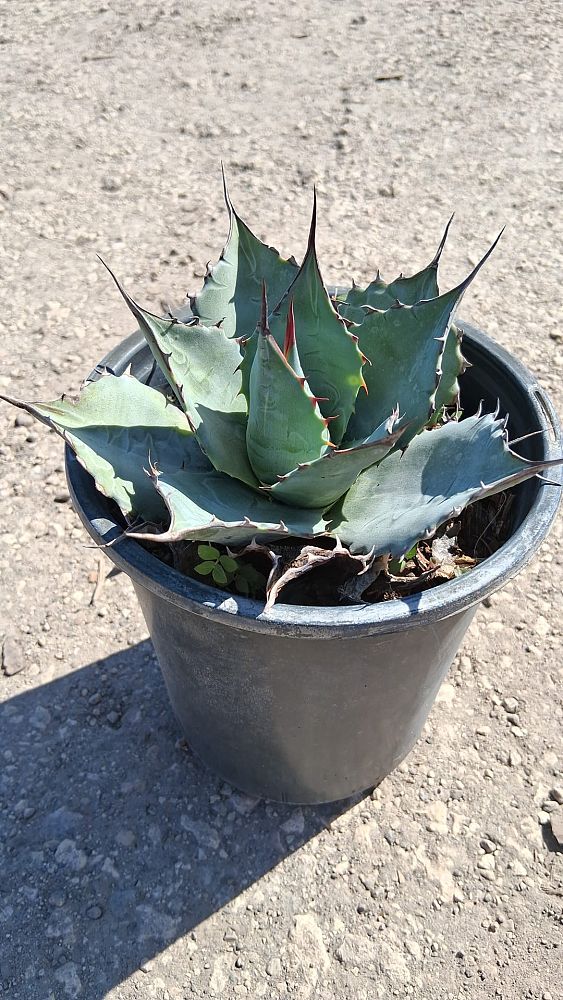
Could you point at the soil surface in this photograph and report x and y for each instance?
(127, 868)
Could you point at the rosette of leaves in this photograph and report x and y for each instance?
(293, 414)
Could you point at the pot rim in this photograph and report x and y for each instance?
(304, 621)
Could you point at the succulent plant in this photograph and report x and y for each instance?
(291, 412)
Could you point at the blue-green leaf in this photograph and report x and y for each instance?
(329, 354)
(209, 506)
(203, 367)
(285, 425)
(116, 428)
(378, 294)
(405, 345)
(232, 290)
(393, 505)
(322, 482)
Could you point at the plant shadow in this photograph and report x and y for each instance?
(116, 840)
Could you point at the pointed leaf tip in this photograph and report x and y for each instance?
(311, 248)
(436, 259)
(467, 281)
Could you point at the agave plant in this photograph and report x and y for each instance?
(291, 412)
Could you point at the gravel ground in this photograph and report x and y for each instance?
(127, 869)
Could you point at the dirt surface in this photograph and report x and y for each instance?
(127, 868)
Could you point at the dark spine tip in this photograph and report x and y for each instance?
(289, 340)
(436, 259)
(226, 187)
(311, 249)
(465, 284)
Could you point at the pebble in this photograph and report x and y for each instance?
(13, 659)
(510, 704)
(295, 825)
(126, 838)
(486, 863)
(557, 795)
(40, 717)
(514, 758)
(550, 806)
(488, 846)
(307, 937)
(24, 419)
(94, 912)
(274, 967)
(556, 820)
(70, 856)
(413, 948)
(516, 868)
(57, 898)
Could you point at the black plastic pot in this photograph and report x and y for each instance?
(308, 704)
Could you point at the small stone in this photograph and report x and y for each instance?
(437, 813)
(57, 898)
(13, 660)
(488, 846)
(113, 718)
(63, 496)
(557, 795)
(549, 806)
(126, 838)
(295, 824)
(556, 820)
(111, 184)
(541, 626)
(40, 717)
(307, 937)
(70, 856)
(274, 968)
(458, 896)
(517, 869)
(67, 975)
(24, 420)
(413, 948)
(514, 758)
(486, 863)
(510, 704)
(513, 718)
(94, 912)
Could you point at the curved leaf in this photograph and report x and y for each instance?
(212, 507)
(393, 505)
(285, 426)
(322, 482)
(380, 295)
(232, 290)
(331, 359)
(202, 366)
(115, 427)
(405, 345)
